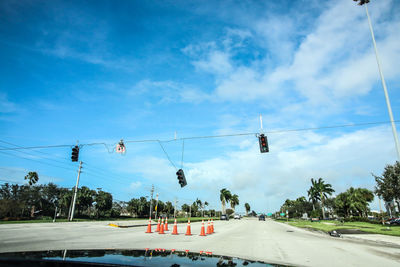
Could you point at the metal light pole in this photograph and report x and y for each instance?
(155, 216)
(151, 200)
(76, 191)
(396, 140)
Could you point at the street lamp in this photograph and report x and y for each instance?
(396, 140)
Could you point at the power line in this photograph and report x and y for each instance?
(86, 165)
(209, 136)
(45, 163)
(166, 154)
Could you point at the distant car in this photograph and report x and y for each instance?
(224, 217)
(392, 221)
(237, 217)
(261, 218)
(395, 222)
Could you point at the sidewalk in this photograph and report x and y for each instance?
(383, 239)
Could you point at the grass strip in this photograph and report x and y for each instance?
(327, 226)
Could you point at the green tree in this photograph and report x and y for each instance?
(247, 207)
(313, 194)
(85, 199)
(194, 209)
(169, 208)
(225, 196)
(388, 185)
(32, 178)
(104, 202)
(354, 201)
(186, 208)
(234, 202)
(323, 191)
(361, 2)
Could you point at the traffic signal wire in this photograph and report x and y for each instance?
(166, 154)
(95, 170)
(183, 149)
(207, 136)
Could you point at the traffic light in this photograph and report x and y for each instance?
(75, 154)
(262, 139)
(181, 177)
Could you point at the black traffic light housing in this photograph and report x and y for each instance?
(181, 177)
(75, 154)
(262, 139)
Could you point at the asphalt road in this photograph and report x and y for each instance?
(268, 241)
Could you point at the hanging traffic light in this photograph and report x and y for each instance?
(181, 177)
(75, 154)
(262, 139)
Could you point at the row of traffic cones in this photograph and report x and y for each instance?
(161, 228)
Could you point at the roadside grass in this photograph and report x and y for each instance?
(48, 220)
(193, 219)
(327, 226)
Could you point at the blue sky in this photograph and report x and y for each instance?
(101, 71)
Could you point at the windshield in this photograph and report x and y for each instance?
(259, 130)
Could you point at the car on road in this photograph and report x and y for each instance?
(261, 218)
(237, 217)
(224, 217)
(393, 221)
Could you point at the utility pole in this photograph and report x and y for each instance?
(76, 191)
(155, 216)
(396, 140)
(151, 200)
(176, 202)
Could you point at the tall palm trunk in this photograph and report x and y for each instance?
(223, 207)
(322, 206)
(247, 213)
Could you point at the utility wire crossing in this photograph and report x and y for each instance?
(205, 137)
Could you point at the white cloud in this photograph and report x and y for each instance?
(345, 160)
(326, 62)
(266, 180)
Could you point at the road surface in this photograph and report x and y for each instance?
(268, 241)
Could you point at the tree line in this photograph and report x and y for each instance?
(29, 201)
(352, 202)
(32, 200)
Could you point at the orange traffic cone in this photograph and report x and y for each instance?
(212, 226)
(208, 228)
(202, 232)
(149, 227)
(188, 230)
(166, 224)
(175, 229)
(158, 225)
(162, 227)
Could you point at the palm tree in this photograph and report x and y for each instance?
(247, 207)
(322, 190)
(204, 205)
(32, 178)
(234, 202)
(361, 2)
(225, 197)
(313, 195)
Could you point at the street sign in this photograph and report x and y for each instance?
(282, 214)
(269, 214)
